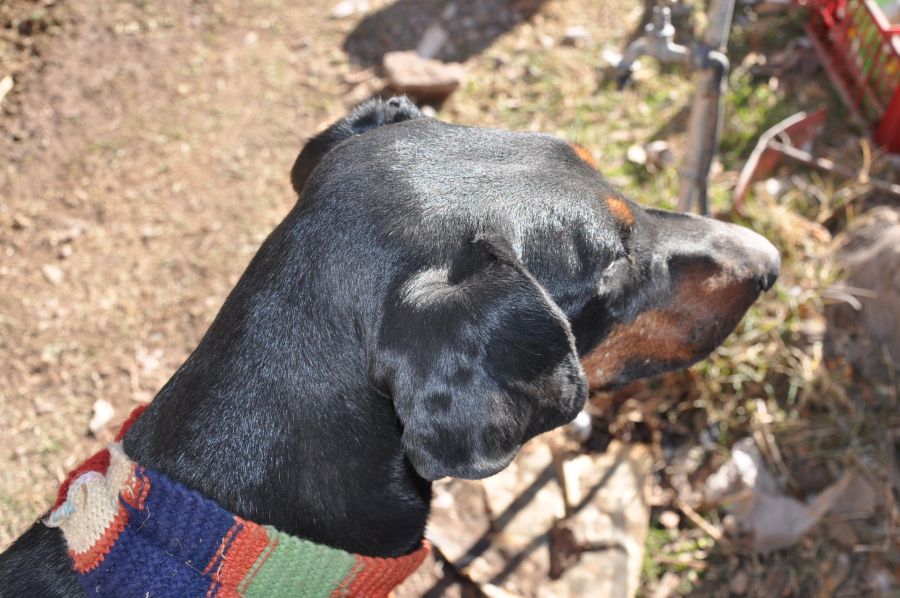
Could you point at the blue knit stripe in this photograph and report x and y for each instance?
(165, 547)
(181, 522)
(137, 567)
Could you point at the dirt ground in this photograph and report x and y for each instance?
(146, 146)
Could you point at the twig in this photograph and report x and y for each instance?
(713, 532)
(827, 165)
(667, 585)
(863, 176)
(692, 564)
(763, 419)
(557, 454)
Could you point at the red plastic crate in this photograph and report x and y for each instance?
(861, 53)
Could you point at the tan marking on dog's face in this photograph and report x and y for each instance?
(585, 155)
(654, 335)
(704, 309)
(620, 210)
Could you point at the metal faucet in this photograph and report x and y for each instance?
(658, 41)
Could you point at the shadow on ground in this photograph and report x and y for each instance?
(470, 26)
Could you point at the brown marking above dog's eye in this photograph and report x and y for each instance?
(620, 210)
(584, 154)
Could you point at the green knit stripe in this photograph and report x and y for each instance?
(297, 568)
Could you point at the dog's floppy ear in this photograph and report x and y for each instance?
(477, 359)
(368, 115)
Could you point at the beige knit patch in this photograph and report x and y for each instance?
(92, 502)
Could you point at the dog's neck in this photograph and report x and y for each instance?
(328, 468)
(263, 418)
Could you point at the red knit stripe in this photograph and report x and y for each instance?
(99, 462)
(250, 543)
(381, 575)
(135, 414)
(220, 553)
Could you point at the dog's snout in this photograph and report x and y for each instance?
(759, 254)
(768, 261)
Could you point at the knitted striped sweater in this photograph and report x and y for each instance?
(135, 532)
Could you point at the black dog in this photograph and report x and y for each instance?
(439, 295)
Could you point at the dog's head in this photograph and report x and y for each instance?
(512, 277)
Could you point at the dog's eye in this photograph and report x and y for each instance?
(618, 256)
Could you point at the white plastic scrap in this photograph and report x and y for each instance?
(759, 508)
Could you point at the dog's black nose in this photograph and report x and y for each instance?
(769, 263)
(767, 281)
(758, 255)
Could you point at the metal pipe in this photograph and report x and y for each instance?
(705, 123)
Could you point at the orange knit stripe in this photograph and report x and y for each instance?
(220, 553)
(245, 550)
(270, 549)
(92, 557)
(136, 489)
(381, 575)
(342, 589)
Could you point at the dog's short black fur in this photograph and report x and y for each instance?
(438, 295)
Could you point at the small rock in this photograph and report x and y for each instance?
(492, 591)
(432, 41)
(863, 329)
(669, 519)
(776, 187)
(843, 533)
(6, 85)
(659, 155)
(580, 428)
(739, 584)
(654, 155)
(575, 36)
(407, 72)
(443, 500)
(637, 154)
(348, 8)
(103, 413)
(450, 11)
(611, 56)
(53, 273)
(546, 41)
(43, 406)
(21, 222)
